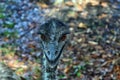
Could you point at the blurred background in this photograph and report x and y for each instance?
(93, 49)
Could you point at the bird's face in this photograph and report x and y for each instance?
(53, 39)
(52, 47)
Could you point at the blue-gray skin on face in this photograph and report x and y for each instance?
(53, 38)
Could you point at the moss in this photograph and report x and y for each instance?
(2, 16)
(9, 25)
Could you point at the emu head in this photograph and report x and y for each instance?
(53, 34)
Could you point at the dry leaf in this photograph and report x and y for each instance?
(66, 59)
(67, 69)
(72, 24)
(82, 25)
(42, 5)
(98, 47)
(80, 40)
(79, 7)
(73, 14)
(104, 4)
(6, 39)
(94, 2)
(69, 3)
(102, 16)
(92, 43)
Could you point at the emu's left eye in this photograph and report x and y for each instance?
(62, 38)
(43, 37)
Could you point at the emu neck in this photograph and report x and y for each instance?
(47, 72)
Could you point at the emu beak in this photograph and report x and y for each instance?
(53, 55)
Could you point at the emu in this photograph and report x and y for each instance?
(53, 37)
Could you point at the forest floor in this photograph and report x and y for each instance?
(93, 50)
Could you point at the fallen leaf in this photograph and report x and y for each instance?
(94, 2)
(79, 7)
(104, 4)
(42, 5)
(66, 59)
(72, 24)
(82, 25)
(102, 16)
(92, 43)
(69, 3)
(80, 40)
(67, 69)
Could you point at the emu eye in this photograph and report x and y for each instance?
(43, 37)
(62, 38)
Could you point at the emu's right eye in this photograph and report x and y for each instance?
(62, 38)
(43, 37)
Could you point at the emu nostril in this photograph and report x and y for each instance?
(48, 52)
(56, 52)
